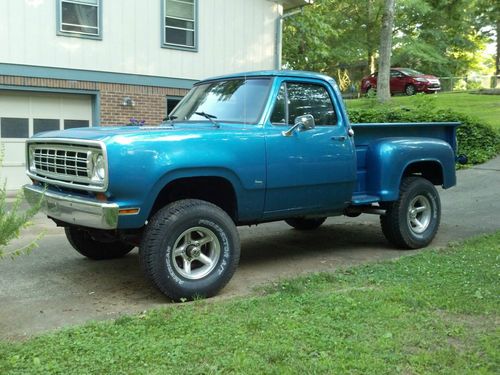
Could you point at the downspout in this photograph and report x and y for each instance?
(279, 32)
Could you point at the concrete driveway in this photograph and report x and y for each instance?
(56, 287)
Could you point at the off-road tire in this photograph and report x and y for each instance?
(159, 249)
(301, 223)
(82, 241)
(398, 224)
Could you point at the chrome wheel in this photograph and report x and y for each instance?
(196, 253)
(419, 214)
(412, 221)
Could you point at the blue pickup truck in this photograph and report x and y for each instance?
(238, 150)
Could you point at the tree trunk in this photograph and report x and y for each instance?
(497, 60)
(370, 45)
(384, 62)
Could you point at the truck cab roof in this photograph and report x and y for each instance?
(271, 73)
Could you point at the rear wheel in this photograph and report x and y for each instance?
(190, 249)
(301, 223)
(85, 244)
(412, 221)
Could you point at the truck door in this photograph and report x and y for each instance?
(311, 171)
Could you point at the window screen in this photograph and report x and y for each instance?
(44, 125)
(11, 127)
(180, 23)
(71, 124)
(80, 17)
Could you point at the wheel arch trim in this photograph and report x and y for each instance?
(191, 173)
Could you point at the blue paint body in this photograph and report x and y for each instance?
(318, 172)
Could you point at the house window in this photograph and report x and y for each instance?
(72, 124)
(11, 127)
(172, 101)
(179, 24)
(79, 18)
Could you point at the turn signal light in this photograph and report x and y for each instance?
(101, 197)
(129, 211)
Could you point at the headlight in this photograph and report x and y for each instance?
(31, 159)
(420, 79)
(99, 168)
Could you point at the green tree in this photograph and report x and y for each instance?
(488, 20)
(436, 36)
(441, 37)
(332, 34)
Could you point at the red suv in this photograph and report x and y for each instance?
(404, 80)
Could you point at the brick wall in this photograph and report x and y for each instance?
(149, 100)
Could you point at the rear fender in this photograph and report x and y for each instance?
(389, 158)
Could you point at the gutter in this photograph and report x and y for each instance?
(279, 33)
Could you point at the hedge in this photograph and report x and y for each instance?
(480, 142)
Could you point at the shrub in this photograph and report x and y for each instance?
(13, 218)
(480, 142)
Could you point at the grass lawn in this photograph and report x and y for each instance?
(484, 107)
(435, 312)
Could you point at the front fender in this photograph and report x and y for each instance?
(388, 158)
(139, 168)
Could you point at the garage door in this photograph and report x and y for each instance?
(23, 114)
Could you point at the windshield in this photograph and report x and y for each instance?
(234, 100)
(410, 72)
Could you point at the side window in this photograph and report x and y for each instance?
(79, 18)
(395, 74)
(279, 116)
(306, 98)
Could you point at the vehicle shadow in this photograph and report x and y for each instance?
(55, 286)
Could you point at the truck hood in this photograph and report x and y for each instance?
(106, 133)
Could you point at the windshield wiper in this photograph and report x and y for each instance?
(170, 119)
(209, 117)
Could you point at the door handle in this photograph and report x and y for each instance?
(340, 138)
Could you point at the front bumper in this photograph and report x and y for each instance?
(432, 89)
(427, 87)
(73, 210)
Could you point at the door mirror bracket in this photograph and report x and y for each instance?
(302, 123)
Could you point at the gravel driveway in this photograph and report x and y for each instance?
(56, 287)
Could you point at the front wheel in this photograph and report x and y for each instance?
(410, 90)
(412, 221)
(190, 249)
(85, 244)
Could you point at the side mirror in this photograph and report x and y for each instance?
(302, 123)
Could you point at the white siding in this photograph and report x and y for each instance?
(234, 35)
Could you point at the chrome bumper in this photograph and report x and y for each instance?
(73, 210)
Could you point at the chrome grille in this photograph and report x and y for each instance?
(69, 165)
(62, 162)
